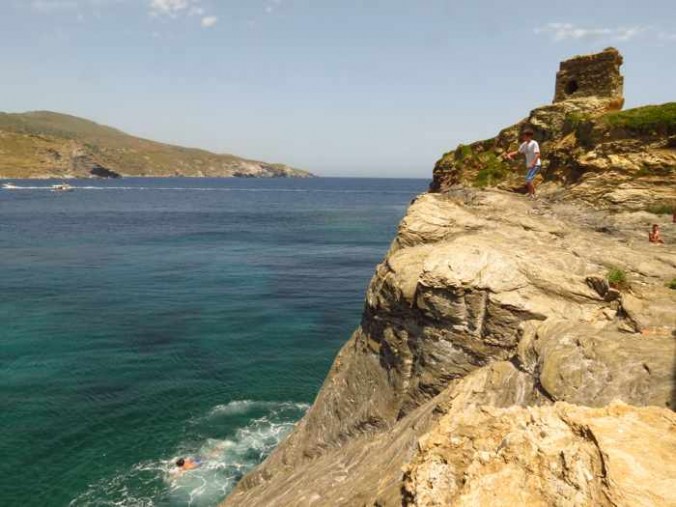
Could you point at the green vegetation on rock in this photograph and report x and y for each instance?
(646, 119)
(575, 119)
(493, 170)
(617, 278)
(477, 165)
(463, 152)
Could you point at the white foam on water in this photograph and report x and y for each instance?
(223, 462)
(137, 487)
(245, 406)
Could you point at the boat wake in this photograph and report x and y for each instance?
(207, 189)
(223, 461)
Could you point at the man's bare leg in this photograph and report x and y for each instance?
(531, 189)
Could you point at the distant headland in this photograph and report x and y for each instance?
(45, 144)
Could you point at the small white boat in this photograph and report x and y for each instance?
(62, 187)
(9, 186)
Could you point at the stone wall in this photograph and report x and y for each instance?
(590, 75)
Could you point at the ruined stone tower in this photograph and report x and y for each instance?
(596, 75)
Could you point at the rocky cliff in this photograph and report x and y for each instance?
(601, 155)
(510, 352)
(51, 145)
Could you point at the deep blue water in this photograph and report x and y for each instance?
(147, 319)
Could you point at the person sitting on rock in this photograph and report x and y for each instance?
(654, 235)
(531, 149)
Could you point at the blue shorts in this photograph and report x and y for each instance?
(532, 173)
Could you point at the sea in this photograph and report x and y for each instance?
(144, 320)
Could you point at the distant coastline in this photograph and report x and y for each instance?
(48, 145)
(48, 177)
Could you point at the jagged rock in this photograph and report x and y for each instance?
(599, 284)
(560, 455)
(365, 468)
(579, 364)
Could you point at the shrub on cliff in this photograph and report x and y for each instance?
(617, 278)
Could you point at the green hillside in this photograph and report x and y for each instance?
(46, 144)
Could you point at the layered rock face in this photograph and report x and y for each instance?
(486, 300)
(543, 456)
(510, 352)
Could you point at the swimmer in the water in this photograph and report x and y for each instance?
(185, 464)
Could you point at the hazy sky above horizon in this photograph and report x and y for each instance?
(338, 87)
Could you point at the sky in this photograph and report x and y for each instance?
(377, 88)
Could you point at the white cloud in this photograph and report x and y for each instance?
(272, 5)
(569, 31)
(171, 7)
(209, 21)
(176, 8)
(167, 9)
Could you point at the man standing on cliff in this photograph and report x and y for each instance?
(531, 149)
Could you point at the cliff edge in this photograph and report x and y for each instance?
(510, 352)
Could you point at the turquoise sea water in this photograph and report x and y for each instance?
(143, 320)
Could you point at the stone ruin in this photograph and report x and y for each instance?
(596, 75)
